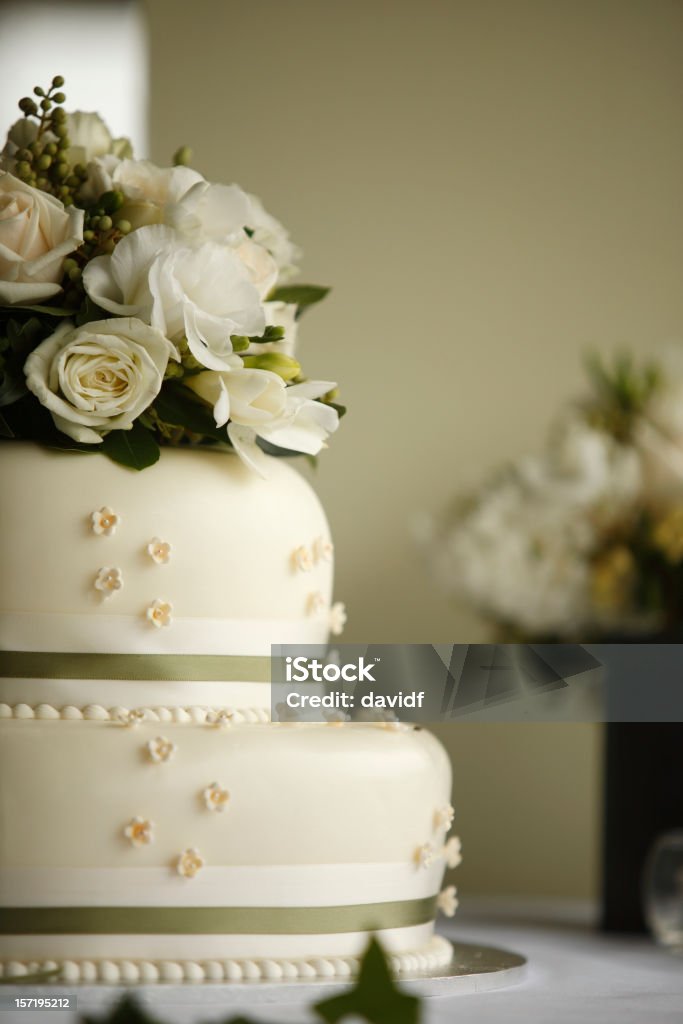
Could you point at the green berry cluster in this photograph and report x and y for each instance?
(44, 162)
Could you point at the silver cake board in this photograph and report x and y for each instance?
(473, 969)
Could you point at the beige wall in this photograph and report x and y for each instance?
(491, 186)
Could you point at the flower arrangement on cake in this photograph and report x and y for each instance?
(143, 306)
(586, 538)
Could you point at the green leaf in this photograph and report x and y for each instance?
(374, 998)
(273, 332)
(301, 295)
(136, 448)
(5, 429)
(341, 409)
(178, 407)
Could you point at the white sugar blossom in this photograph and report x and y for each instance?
(315, 603)
(424, 855)
(159, 551)
(323, 549)
(452, 852)
(190, 863)
(222, 718)
(160, 613)
(104, 521)
(443, 818)
(215, 797)
(160, 750)
(337, 618)
(98, 377)
(139, 832)
(36, 233)
(302, 559)
(108, 581)
(447, 901)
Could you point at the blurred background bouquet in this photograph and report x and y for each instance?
(584, 540)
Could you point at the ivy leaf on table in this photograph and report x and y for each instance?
(375, 997)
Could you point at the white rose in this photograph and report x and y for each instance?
(202, 294)
(98, 377)
(273, 236)
(150, 190)
(89, 138)
(36, 233)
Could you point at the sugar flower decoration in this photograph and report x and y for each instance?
(447, 901)
(323, 550)
(159, 551)
(337, 618)
(131, 718)
(215, 797)
(159, 613)
(108, 581)
(161, 749)
(443, 818)
(222, 718)
(424, 855)
(104, 521)
(452, 852)
(190, 863)
(302, 559)
(315, 602)
(139, 832)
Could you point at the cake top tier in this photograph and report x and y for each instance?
(197, 555)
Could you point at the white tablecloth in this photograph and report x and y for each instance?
(575, 975)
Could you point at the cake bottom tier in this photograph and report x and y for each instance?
(203, 852)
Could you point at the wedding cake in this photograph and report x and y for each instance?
(154, 824)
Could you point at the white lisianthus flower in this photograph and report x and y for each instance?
(151, 191)
(98, 377)
(36, 233)
(207, 212)
(201, 294)
(261, 266)
(89, 138)
(246, 396)
(305, 423)
(273, 236)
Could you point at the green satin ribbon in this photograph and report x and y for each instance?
(181, 668)
(214, 920)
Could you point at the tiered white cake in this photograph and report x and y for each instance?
(153, 824)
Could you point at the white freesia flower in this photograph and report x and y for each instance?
(98, 377)
(261, 266)
(270, 233)
(201, 294)
(258, 403)
(36, 233)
